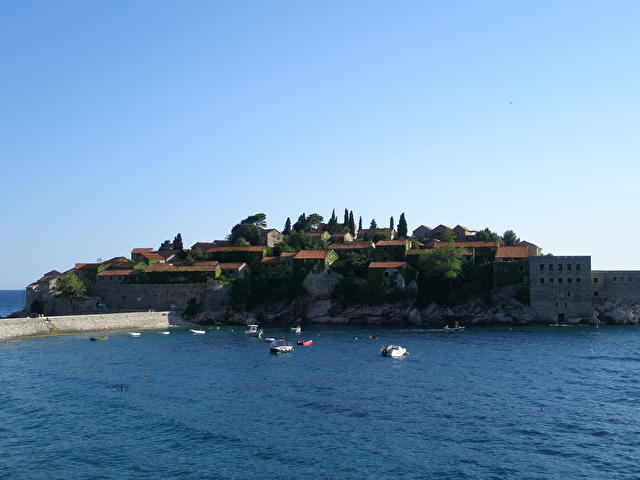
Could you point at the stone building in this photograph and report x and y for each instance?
(43, 288)
(421, 233)
(390, 274)
(271, 236)
(511, 266)
(560, 288)
(615, 285)
(236, 270)
(392, 249)
(463, 233)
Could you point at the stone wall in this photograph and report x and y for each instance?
(560, 288)
(615, 285)
(133, 296)
(28, 327)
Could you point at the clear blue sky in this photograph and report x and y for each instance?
(124, 123)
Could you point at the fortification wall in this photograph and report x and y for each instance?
(28, 327)
(131, 296)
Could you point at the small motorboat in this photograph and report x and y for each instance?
(253, 331)
(98, 339)
(456, 328)
(393, 351)
(373, 337)
(269, 339)
(297, 329)
(164, 333)
(284, 348)
(305, 343)
(135, 334)
(198, 332)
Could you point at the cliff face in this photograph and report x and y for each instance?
(618, 312)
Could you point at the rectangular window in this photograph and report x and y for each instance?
(542, 267)
(569, 293)
(551, 267)
(542, 280)
(560, 280)
(615, 279)
(568, 267)
(595, 280)
(521, 268)
(577, 267)
(595, 294)
(568, 280)
(551, 280)
(629, 279)
(559, 267)
(578, 279)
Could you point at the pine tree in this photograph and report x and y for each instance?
(352, 223)
(373, 223)
(345, 222)
(287, 226)
(332, 225)
(301, 224)
(391, 223)
(402, 227)
(360, 224)
(177, 242)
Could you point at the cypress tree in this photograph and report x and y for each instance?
(301, 224)
(287, 226)
(352, 223)
(346, 218)
(360, 223)
(177, 242)
(402, 227)
(391, 223)
(333, 222)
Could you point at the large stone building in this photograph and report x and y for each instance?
(560, 288)
(615, 285)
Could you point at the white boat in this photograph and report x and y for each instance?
(296, 329)
(134, 334)
(284, 348)
(393, 351)
(449, 329)
(199, 332)
(164, 333)
(253, 331)
(269, 339)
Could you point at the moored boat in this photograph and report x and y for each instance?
(164, 333)
(135, 334)
(253, 331)
(297, 329)
(269, 339)
(305, 343)
(284, 348)
(198, 332)
(393, 351)
(98, 339)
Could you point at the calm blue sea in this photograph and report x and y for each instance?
(11, 301)
(489, 403)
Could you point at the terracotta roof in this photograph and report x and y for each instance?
(258, 248)
(524, 243)
(386, 264)
(267, 230)
(48, 276)
(512, 252)
(383, 243)
(109, 273)
(115, 260)
(462, 227)
(270, 260)
(352, 245)
(423, 226)
(167, 253)
(416, 251)
(232, 266)
(142, 250)
(469, 244)
(215, 243)
(153, 256)
(317, 254)
(441, 226)
(86, 265)
(167, 267)
(208, 262)
(288, 254)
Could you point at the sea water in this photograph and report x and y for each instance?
(502, 403)
(11, 301)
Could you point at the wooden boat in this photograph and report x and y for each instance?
(305, 343)
(199, 332)
(393, 351)
(135, 334)
(98, 339)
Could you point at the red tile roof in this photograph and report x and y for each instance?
(311, 254)
(288, 254)
(351, 245)
(386, 264)
(109, 273)
(512, 252)
(153, 256)
(469, 244)
(232, 266)
(86, 265)
(270, 260)
(416, 251)
(383, 243)
(462, 227)
(167, 267)
(258, 248)
(142, 250)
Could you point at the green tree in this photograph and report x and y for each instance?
(313, 221)
(241, 242)
(345, 220)
(510, 238)
(360, 224)
(287, 227)
(373, 223)
(166, 245)
(402, 226)
(70, 285)
(301, 224)
(259, 220)
(487, 235)
(391, 223)
(332, 224)
(441, 263)
(352, 223)
(445, 236)
(249, 231)
(177, 242)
